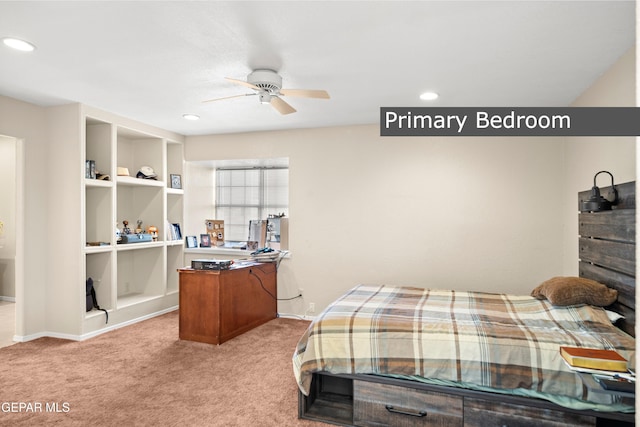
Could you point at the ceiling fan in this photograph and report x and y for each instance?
(267, 84)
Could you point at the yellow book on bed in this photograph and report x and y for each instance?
(594, 358)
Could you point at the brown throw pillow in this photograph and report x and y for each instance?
(575, 290)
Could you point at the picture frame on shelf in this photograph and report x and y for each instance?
(205, 241)
(177, 233)
(90, 169)
(192, 242)
(176, 181)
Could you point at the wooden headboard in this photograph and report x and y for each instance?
(608, 249)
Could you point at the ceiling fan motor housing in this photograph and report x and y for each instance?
(268, 80)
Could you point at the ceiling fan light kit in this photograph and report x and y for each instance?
(267, 80)
(265, 98)
(267, 84)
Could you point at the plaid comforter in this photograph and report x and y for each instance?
(489, 340)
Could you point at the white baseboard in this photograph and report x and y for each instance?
(72, 337)
(83, 337)
(295, 316)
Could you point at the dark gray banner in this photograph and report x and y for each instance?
(503, 121)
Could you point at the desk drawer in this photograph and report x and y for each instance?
(387, 405)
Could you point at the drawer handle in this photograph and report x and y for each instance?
(420, 414)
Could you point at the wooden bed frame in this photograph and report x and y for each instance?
(607, 250)
(607, 254)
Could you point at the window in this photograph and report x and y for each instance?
(250, 193)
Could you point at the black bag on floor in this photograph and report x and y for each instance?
(92, 301)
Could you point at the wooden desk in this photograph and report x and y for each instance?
(216, 306)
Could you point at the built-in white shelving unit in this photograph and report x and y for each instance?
(132, 280)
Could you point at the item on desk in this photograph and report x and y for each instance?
(594, 358)
(176, 232)
(97, 243)
(278, 232)
(146, 172)
(262, 251)
(215, 230)
(616, 383)
(626, 375)
(153, 230)
(136, 238)
(192, 241)
(257, 234)
(102, 176)
(90, 169)
(210, 264)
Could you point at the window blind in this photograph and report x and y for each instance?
(249, 194)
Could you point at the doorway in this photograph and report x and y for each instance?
(7, 323)
(11, 177)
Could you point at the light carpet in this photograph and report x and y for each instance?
(144, 375)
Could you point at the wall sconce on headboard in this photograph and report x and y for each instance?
(596, 202)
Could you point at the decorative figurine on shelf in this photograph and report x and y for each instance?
(139, 227)
(126, 229)
(153, 230)
(118, 235)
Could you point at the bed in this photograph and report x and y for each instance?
(386, 355)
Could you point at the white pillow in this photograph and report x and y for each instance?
(613, 316)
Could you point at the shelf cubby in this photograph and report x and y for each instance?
(175, 160)
(136, 149)
(140, 202)
(98, 145)
(174, 208)
(99, 267)
(99, 225)
(140, 275)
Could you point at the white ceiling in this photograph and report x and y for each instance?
(155, 60)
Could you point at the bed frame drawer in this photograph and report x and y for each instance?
(387, 405)
(481, 413)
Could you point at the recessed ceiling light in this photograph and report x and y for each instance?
(18, 44)
(191, 117)
(429, 96)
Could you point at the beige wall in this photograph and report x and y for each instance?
(199, 197)
(460, 213)
(585, 156)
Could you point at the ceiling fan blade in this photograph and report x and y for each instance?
(229, 97)
(243, 83)
(305, 93)
(281, 106)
